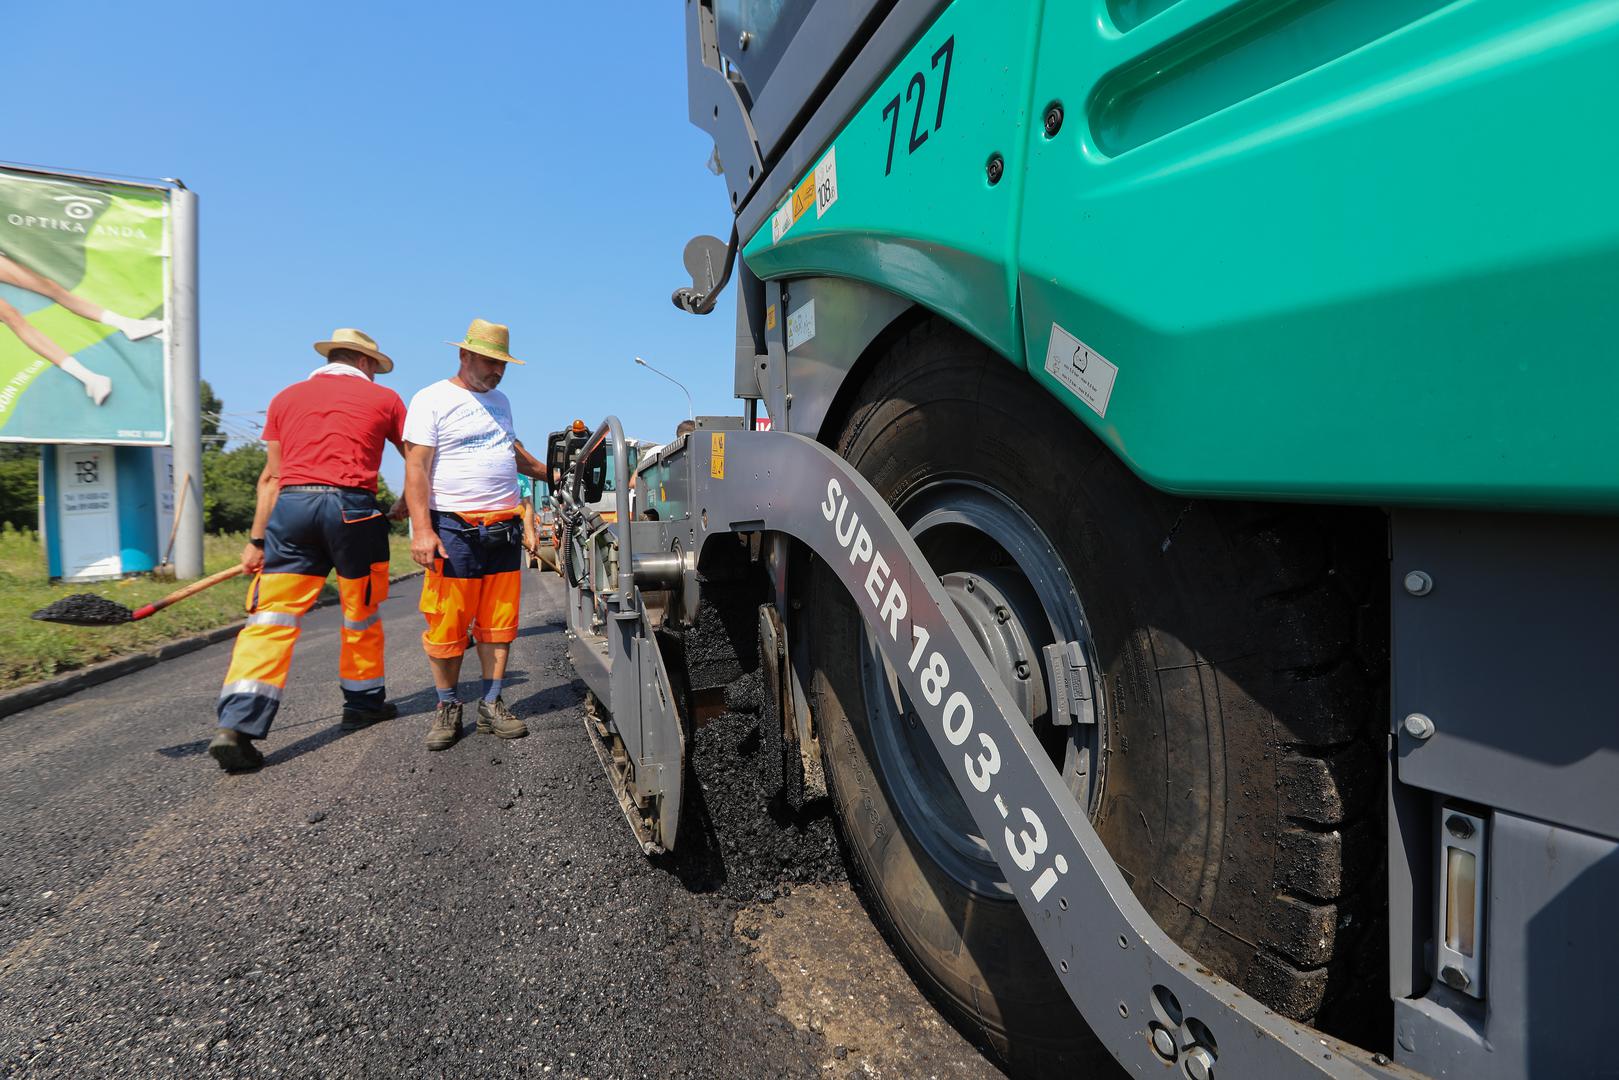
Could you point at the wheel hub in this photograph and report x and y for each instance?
(1016, 598)
(1003, 615)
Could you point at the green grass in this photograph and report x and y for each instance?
(31, 650)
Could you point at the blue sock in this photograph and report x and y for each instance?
(446, 697)
(491, 689)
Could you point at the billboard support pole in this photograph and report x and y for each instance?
(186, 390)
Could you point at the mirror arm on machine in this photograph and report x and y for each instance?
(699, 259)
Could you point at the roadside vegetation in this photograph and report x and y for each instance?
(32, 650)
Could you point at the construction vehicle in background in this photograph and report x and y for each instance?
(545, 516)
(1185, 549)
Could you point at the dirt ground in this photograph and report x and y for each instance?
(840, 981)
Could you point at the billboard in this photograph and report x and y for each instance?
(84, 291)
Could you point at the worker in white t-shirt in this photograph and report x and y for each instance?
(461, 464)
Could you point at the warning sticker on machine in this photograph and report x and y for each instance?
(716, 456)
(826, 182)
(781, 222)
(1080, 368)
(800, 326)
(819, 189)
(803, 197)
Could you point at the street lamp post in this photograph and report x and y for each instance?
(691, 413)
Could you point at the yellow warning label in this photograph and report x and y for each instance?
(804, 197)
(770, 317)
(716, 456)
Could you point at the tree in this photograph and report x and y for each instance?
(19, 485)
(229, 477)
(386, 499)
(211, 406)
(230, 487)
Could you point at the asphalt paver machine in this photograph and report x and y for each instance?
(1184, 551)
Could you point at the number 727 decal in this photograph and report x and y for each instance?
(917, 88)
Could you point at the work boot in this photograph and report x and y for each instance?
(354, 717)
(234, 751)
(495, 718)
(446, 727)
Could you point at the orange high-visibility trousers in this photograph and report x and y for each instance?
(312, 531)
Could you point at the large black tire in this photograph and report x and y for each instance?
(1239, 656)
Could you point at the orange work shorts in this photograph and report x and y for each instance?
(479, 586)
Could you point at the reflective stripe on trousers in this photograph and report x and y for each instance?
(263, 654)
(310, 534)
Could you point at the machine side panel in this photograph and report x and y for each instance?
(900, 197)
(1551, 898)
(1334, 249)
(1510, 656)
(1302, 249)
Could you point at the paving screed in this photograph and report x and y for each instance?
(363, 907)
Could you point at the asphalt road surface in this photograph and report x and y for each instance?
(362, 907)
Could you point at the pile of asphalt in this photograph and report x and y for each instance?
(84, 609)
(739, 834)
(723, 644)
(739, 837)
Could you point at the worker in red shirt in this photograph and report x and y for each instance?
(317, 510)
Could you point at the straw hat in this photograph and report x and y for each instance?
(488, 339)
(349, 338)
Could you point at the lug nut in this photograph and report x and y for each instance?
(994, 169)
(1022, 669)
(1163, 1043)
(1001, 614)
(1418, 583)
(1199, 1064)
(1418, 726)
(1053, 118)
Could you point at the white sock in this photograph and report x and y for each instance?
(133, 329)
(96, 386)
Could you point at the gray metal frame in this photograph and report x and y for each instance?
(1143, 996)
(1546, 747)
(759, 168)
(849, 316)
(715, 104)
(1505, 628)
(618, 659)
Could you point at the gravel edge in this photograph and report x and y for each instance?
(26, 697)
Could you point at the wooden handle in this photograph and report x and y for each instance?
(190, 590)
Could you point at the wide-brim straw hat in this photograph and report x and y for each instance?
(488, 339)
(349, 338)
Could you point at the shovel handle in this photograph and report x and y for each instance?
(190, 590)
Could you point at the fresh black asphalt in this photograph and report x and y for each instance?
(361, 907)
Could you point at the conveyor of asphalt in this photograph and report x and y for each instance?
(362, 907)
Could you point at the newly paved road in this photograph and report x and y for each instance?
(362, 907)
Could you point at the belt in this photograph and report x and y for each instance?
(326, 488)
(502, 532)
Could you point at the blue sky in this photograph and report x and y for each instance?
(404, 167)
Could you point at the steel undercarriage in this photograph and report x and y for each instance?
(1142, 994)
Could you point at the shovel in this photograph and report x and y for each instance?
(88, 609)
